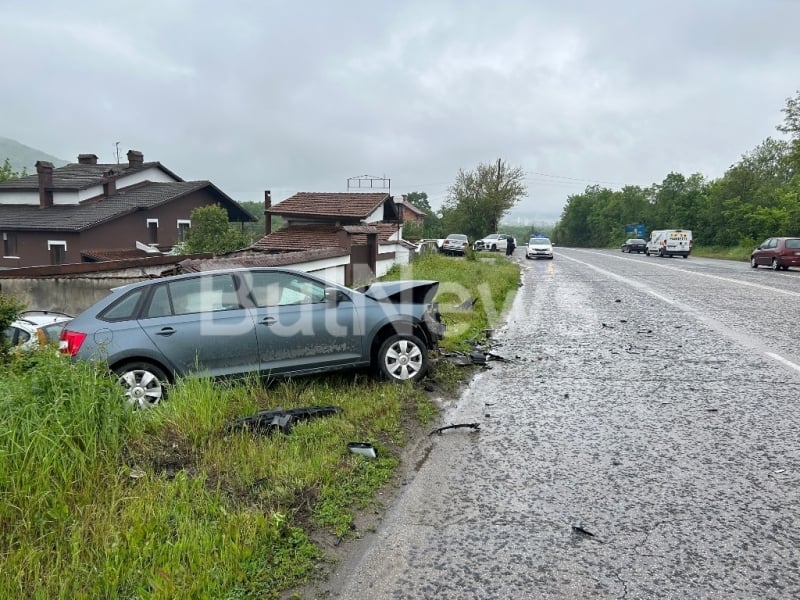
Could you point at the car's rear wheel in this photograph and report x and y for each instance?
(753, 262)
(144, 383)
(403, 357)
(775, 265)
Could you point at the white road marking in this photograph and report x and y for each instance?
(783, 361)
(759, 286)
(719, 326)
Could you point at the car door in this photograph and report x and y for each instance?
(297, 329)
(200, 324)
(768, 252)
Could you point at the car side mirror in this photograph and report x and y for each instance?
(334, 295)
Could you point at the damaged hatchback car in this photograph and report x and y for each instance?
(267, 321)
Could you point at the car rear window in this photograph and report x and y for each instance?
(124, 308)
(794, 243)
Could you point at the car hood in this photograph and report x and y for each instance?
(402, 292)
(539, 246)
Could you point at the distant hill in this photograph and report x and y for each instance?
(24, 157)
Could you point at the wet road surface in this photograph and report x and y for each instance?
(643, 442)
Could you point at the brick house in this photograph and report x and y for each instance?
(85, 211)
(409, 213)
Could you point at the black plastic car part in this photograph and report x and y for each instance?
(279, 419)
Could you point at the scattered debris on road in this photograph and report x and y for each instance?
(582, 532)
(473, 426)
(475, 357)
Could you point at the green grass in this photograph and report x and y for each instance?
(488, 279)
(99, 501)
(741, 252)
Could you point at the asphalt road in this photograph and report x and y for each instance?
(642, 442)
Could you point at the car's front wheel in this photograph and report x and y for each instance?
(144, 383)
(753, 262)
(403, 357)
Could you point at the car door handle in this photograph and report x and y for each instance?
(166, 331)
(268, 321)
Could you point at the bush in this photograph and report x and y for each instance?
(9, 310)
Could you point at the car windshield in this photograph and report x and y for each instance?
(636, 241)
(540, 240)
(456, 236)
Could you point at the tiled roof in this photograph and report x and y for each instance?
(115, 254)
(385, 230)
(79, 176)
(344, 205)
(90, 214)
(301, 237)
(261, 259)
(412, 208)
(365, 229)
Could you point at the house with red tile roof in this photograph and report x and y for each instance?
(365, 224)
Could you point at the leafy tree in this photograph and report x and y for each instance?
(420, 200)
(791, 120)
(6, 172)
(478, 200)
(212, 232)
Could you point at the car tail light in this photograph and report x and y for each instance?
(70, 342)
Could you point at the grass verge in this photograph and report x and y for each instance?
(99, 501)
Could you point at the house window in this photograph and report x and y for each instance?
(152, 231)
(58, 252)
(183, 229)
(9, 244)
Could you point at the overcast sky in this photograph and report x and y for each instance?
(299, 96)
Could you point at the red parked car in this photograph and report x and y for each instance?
(778, 253)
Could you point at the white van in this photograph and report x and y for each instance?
(670, 242)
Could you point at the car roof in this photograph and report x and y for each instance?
(146, 282)
(42, 317)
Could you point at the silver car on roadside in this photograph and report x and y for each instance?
(267, 321)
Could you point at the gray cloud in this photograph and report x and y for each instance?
(299, 96)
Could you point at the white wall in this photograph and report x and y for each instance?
(329, 269)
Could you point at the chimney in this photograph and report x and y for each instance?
(135, 158)
(87, 159)
(267, 214)
(44, 170)
(109, 183)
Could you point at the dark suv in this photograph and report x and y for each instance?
(274, 322)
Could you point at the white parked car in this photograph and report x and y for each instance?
(493, 242)
(34, 328)
(539, 247)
